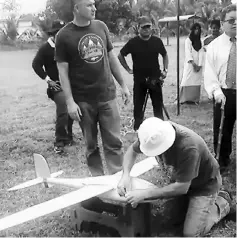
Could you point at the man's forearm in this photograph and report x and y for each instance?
(114, 66)
(169, 191)
(64, 80)
(166, 62)
(38, 68)
(123, 62)
(129, 160)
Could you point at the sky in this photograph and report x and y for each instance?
(32, 6)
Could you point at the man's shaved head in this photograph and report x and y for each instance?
(84, 9)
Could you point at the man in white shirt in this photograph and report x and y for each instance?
(220, 81)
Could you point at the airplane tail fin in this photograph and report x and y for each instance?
(42, 172)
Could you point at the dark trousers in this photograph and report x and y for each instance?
(229, 121)
(63, 127)
(139, 95)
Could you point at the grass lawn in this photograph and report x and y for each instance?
(27, 119)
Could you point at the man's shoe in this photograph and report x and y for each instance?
(58, 149)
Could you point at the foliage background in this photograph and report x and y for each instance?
(119, 15)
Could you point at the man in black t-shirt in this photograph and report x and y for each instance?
(87, 69)
(45, 67)
(195, 172)
(145, 49)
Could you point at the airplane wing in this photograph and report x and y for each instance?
(34, 182)
(141, 167)
(112, 180)
(53, 205)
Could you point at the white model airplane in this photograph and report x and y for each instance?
(102, 186)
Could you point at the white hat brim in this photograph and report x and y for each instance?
(165, 145)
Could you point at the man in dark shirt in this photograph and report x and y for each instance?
(45, 67)
(145, 49)
(86, 64)
(195, 172)
(215, 26)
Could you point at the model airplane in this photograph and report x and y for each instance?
(102, 186)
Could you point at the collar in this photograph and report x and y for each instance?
(228, 37)
(51, 43)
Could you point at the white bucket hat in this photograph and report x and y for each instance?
(156, 136)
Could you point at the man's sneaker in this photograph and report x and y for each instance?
(58, 149)
(226, 195)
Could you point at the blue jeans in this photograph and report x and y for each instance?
(63, 127)
(204, 212)
(106, 115)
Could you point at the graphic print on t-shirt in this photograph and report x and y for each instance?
(91, 48)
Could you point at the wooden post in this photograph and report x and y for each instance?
(167, 33)
(178, 104)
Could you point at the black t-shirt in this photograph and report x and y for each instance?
(191, 161)
(145, 55)
(86, 49)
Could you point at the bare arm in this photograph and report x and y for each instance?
(123, 62)
(129, 160)
(165, 62)
(124, 184)
(115, 69)
(175, 189)
(171, 190)
(114, 66)
(64, 80)
(73, 109)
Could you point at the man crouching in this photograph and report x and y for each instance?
(195, 172)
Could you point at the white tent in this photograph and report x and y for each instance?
(181, 18)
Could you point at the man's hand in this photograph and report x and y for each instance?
(126, 95)
(74, 111)
(130, 71)
(164, 74)
(136, 196)
(220, 98)
(195, 67)
(124, 185)
(54, 85)
(198, 68)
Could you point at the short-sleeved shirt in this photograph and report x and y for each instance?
(145, 55)
(191, 161)
(86, 49)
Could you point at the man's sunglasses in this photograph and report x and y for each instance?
(231, 21)
(146, 27)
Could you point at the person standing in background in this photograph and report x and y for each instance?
(45, 67)
(215, 26)
(220, 82)
(190, 91)
(148, 77)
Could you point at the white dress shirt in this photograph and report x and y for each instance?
(217, 56)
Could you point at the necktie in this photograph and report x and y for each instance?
(231, 66)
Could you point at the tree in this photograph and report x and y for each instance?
(113, 12)
(63, 9)
(10, 8)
